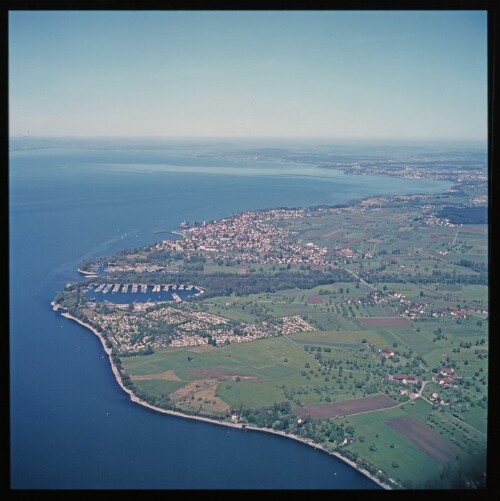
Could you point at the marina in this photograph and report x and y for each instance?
(136, 293)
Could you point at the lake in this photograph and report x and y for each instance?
(72, 427)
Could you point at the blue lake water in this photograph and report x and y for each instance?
(72, 427)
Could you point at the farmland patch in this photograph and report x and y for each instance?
(425, 439)
(345, 408)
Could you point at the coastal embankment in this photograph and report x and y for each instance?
(88, 274)
(134, 398)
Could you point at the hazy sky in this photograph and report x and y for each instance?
(328, 74)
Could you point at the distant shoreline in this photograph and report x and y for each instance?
(56, 307)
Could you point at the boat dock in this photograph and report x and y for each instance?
(135, 288)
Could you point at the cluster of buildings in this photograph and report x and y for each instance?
(415, 309)
(248, 238)
(139, 329)
(458, 174)
(290, 325)
(133, 268)
(344, 255)
(446, 377)
(122, 330)
(433, 220)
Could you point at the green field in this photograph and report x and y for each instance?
(343, 337)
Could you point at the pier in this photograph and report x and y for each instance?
(143, 288)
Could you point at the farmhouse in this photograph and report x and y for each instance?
(405, 379)
(447, 371)
(444, 382)
(386, 353)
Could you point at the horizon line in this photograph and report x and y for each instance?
(266, 138)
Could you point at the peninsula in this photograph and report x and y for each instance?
(361, 329)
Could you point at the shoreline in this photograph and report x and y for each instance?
(56, 307)
(88, 274)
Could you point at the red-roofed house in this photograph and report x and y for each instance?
(447, 371)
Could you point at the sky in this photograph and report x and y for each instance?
(283, 74)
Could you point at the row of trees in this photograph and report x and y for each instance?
(225, 284)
